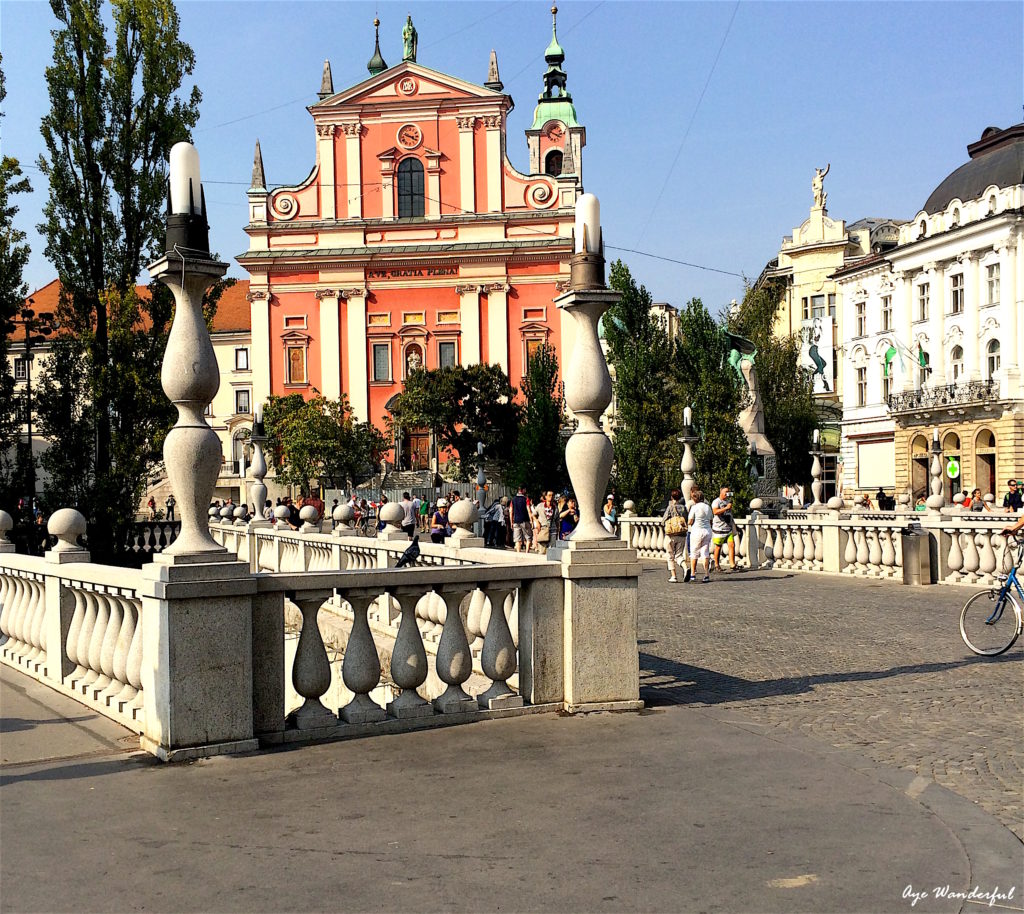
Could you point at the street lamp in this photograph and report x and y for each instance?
(37, 328)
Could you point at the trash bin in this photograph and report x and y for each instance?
(917, 563)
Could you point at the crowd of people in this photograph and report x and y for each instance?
(698, 532)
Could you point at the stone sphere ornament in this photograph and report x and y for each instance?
(227, 511)
(463, 513)
(393, 514)
(835, 503)
(344, 514)
(67, 525)
(756, 504)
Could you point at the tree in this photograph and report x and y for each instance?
(787, 389)
(114, 114)
(462, 405)
(319, 439)
(641, 354)
(539, 461)
(707, 383)
(14, 254)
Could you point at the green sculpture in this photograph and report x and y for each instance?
(740, 350)
(409, 40)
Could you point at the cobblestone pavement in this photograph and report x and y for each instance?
(875, 667)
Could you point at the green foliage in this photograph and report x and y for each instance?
(14, 254)
(463, 405)
(641, 354)
(539, 460)
(706, 382)
(317, 439)
(115, 112)
(787, 390)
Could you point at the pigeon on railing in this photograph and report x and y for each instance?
(411, 554)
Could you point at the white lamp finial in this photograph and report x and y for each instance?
(186, 197)
(588, 225)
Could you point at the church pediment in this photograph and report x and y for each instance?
(404, 83)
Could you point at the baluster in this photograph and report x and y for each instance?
(955, 559)
(409, 661)
(769, 547)
(360, 670)
(95, 650)
(874, 551)
(862, 550)
(808, 538)
(133, 669)
(18, 608)
(121, 650)
(788, 546)
(311, 671)
(798, 546)
(33, 624)
(110, 635)
(85, 639)
(454, 662)
(987, 558)
(850, 553)
(6, 598)
(1005, 559)
(512, 614)
(888, 552)
(971, 558)
(476, 624)
(498, 659)
(435, 613)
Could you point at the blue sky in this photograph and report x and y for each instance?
(704, 121)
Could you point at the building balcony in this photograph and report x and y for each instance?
(947, 396)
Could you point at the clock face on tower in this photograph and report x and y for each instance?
(409, 136)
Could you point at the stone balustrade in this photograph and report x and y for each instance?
(152, 536)
(967, 548)
(77, 628)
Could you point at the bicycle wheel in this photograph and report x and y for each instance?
(987, 627)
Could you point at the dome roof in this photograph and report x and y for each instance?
(997, 158)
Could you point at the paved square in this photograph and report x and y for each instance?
(871, 666)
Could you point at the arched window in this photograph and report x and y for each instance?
(922, 229)
(410, 188)
(553, 163)
(956, 362)
(992, 351)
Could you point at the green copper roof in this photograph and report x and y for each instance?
(376, 64)
(554, 49)
(554, 109)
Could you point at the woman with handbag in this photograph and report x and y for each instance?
(674, 520)
(542, 522)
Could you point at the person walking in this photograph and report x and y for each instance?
(674, 521)
(424, 512)
(521, 521)
(722, 528)
(151, 504)
(977, 502)
(609, 515)
(409, 515)
(543, 513)
(699, 520)
(439, 522)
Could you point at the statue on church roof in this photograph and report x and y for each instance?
(818, 186)
(410, 39)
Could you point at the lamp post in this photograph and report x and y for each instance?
(588, 386)
(36, 327)
(936, 500)
(816, 484)
(687, 466)
(258, 490)
(190, 378)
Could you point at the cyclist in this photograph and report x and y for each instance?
(1015, 527)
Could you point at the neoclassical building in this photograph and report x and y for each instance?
(414, 241)
(933, 334)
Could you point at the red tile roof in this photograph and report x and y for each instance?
(232, 315)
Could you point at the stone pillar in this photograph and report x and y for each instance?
(937, 324)
(353, 170)
(1010, 308)
(972, 307)
(497, 324)
(905, 296)
(495, 169)
(467, 164)
(469, 315)
(330, 344)
(355, 331)
(328, 181)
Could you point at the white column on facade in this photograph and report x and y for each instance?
(937, 324)
(1010, 308)
(353, 170)
(972, 308)
(387, 189)
(497, 325)
(469, 315)
(467, 165)
(495, 167)
(432, 210)
(358, 378)
(325, 155)
(260, 349)
(330, 344)
(904, 298)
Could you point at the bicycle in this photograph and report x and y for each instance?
(990, 621)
